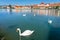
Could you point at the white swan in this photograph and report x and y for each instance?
(25, 33)
(24, 14)
(49, 21)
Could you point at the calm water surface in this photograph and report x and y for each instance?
(36, 20)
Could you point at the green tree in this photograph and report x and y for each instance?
(57, 7)
(10, 6)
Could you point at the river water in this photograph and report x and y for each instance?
(36, 20)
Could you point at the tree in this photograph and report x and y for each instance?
(57, 7)
(10, 6)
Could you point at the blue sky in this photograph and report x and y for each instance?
(25, 2)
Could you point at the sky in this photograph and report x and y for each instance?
(25, 2)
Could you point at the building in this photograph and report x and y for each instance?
(36, 6)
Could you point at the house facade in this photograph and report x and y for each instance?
(39, 6)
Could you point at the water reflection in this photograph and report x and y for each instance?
(50, 12)
(39, 23)
(9, 10)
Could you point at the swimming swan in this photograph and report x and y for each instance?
(25, 33)
(49, 21)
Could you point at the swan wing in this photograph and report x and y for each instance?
(26, 33)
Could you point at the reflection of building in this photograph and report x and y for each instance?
(46, 12)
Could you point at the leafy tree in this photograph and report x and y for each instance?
(57, 7)
(10, 6)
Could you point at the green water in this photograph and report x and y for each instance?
(10, 21)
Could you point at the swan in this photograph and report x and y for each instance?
(25, 33)
(49, 21)
(24, 14)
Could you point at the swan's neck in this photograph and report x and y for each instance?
(19, 32)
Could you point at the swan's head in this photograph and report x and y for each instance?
(18, 29)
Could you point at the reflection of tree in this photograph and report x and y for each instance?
(31, 8)
(10, 8)
(56, 10)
